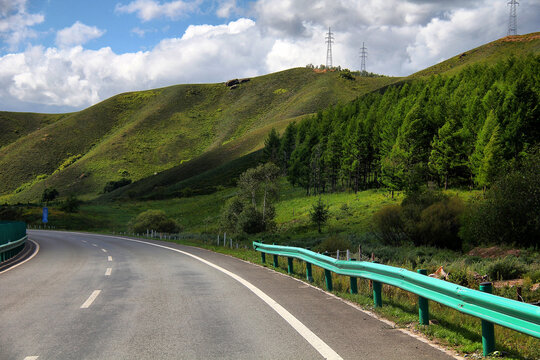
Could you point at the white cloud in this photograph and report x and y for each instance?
(78, 77)
(401, 36)
(226, 8)
(150, 9)
(77, 34)
(16, 24)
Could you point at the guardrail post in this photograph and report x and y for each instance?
(377, 294)
(263, 257)
(423, 307)
(354, 282)
(328, 279)
(488, 332)
(309, 272)
(328, 276)
(276, 263)
(290, 266)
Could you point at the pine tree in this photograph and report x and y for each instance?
(319, 214)
(271, 147)
(448, 152)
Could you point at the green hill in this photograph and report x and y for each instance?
(140, 134)
(178, 140)
(490, 53)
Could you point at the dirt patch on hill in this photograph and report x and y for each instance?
(493, 252)
(521, 38)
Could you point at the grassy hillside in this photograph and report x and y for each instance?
(490, 53)
(172, 140)
(137, 135)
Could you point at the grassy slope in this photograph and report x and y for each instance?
(489, 53)
(192, 127)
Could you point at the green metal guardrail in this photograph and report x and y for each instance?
(12, 238)
(490, 308)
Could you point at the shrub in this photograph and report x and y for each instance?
(250, 221)
(113, 185)
(510, 213)
(154, 220)
(10, 213)
(439, 224)
(71, 204)
(388, 225)
(230, 214)
(507, 268)
(49, 194)
(333, 244)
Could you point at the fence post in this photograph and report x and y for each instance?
(290, 266)
(263, 257)
(309, 272)
(276, 263)
(488, 333)
(354, 281)
(423, 307)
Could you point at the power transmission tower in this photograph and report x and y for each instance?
(329, 42)
(512, 22)
(363, 57)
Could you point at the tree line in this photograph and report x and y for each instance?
(458, 130)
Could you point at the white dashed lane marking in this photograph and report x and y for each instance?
(108, 272)
(91, 299)
(109, 258)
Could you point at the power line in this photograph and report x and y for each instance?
(329, 41)
(363, 57)
(512, 21)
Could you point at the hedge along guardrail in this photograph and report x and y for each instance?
(491, 309)
(12, 239)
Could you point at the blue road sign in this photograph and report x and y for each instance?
(45, 215)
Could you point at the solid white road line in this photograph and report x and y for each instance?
(22, 262)
(326, 351)
(108, 272)
(31, 358)
(103, 250)
(109, 258)
(91, 299)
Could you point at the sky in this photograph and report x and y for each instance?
(66, 55)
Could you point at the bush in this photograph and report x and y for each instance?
(71, 204)
(49, 194)
(427, 218)
(10, 213)
(333, 244)
(113, 185)
(154, 220)
(507, 268)
(250, 221)
(510, 213)
(388, 225)
(439, 224)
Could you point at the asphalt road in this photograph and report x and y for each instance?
(96, 297)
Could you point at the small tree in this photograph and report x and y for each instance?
(319, 214)
(71, 204)
(154, 220)
(49, 194)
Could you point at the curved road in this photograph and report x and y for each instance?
(90, 296)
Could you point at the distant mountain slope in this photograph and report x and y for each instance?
(139, 134)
